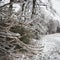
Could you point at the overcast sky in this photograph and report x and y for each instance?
(56, 5)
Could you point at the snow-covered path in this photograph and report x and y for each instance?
(51, 50)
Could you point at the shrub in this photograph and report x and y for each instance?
(26, 34)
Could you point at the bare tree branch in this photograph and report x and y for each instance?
(5, 5)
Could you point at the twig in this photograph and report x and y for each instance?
(4, 5)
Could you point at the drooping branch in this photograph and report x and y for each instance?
(5, 5)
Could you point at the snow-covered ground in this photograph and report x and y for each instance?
(51, 50)
(48, 49)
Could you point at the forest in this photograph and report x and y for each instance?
(29, 30)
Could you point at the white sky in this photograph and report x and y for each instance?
(56, 6)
